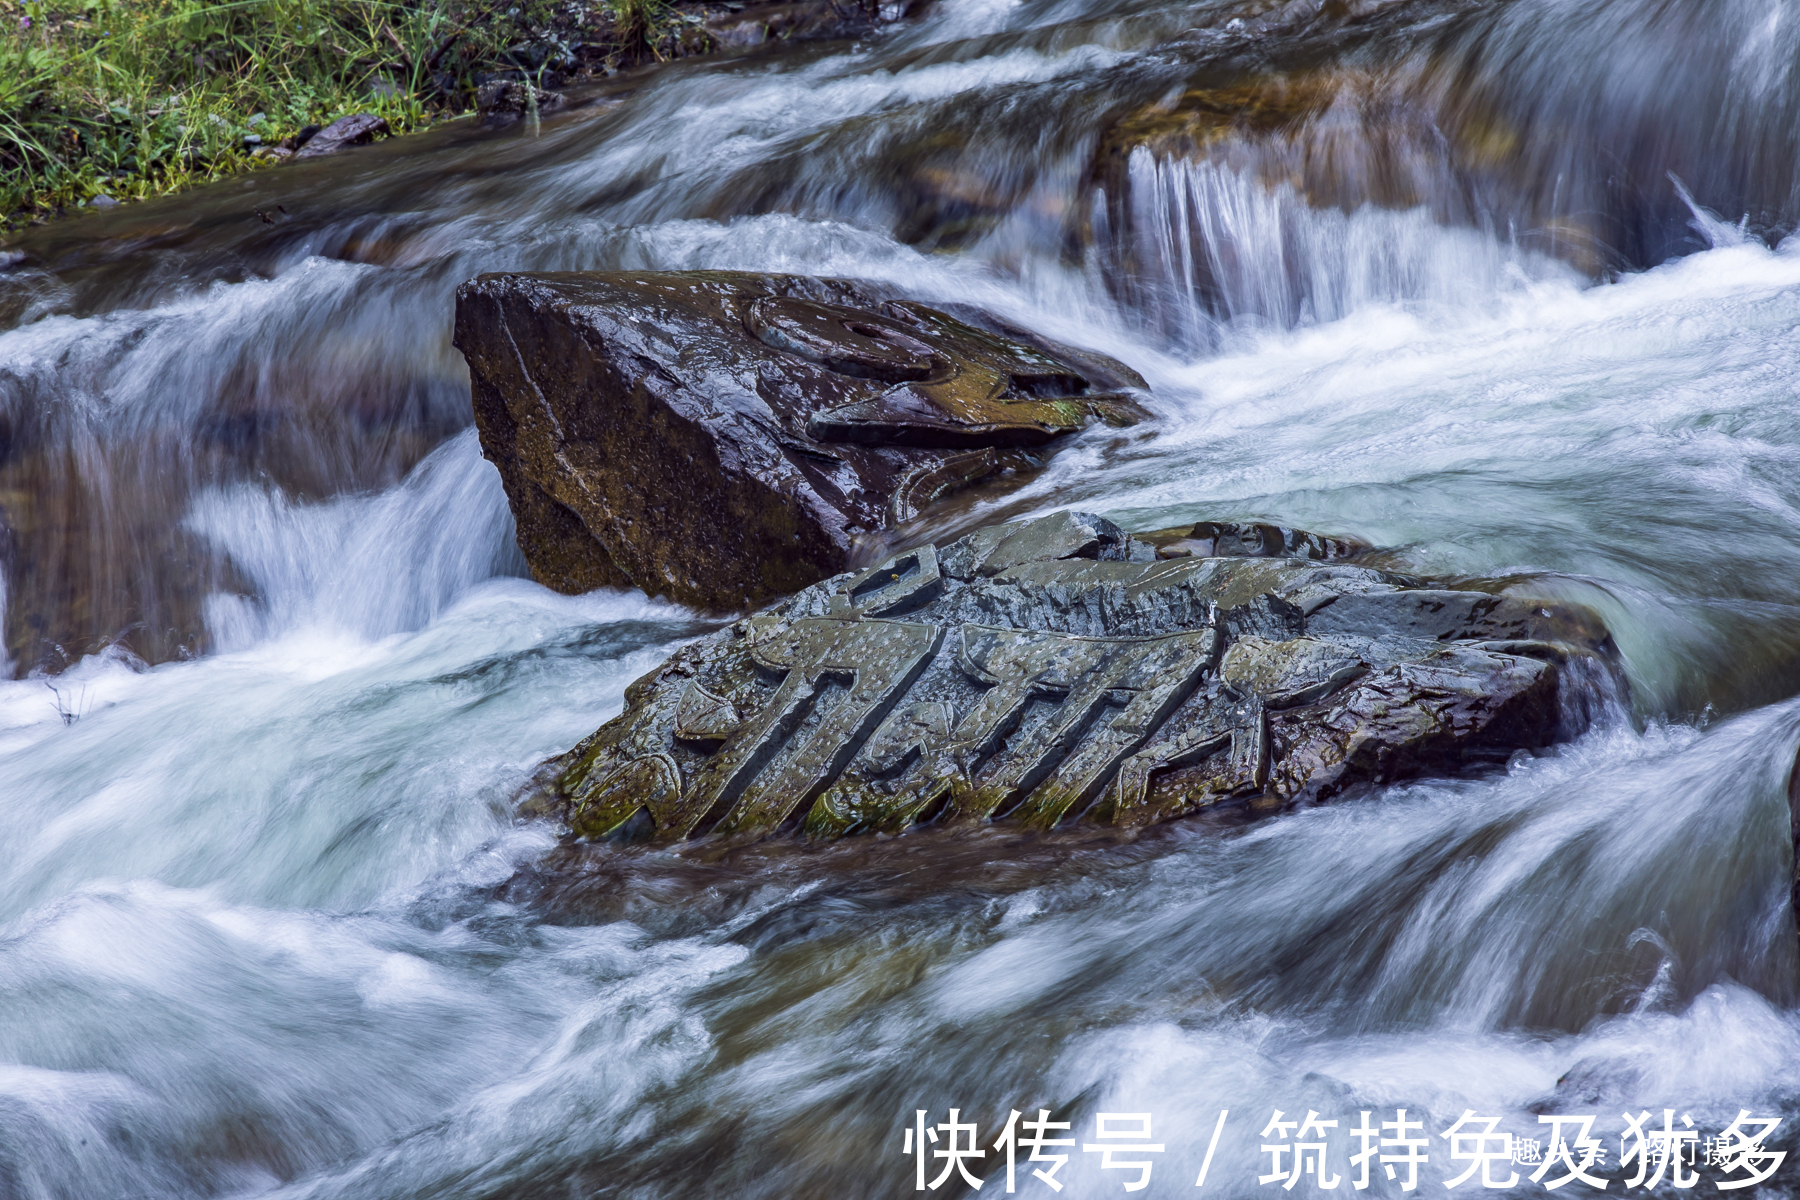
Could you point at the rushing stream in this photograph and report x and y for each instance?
(1504, 288)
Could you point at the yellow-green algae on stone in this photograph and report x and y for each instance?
(1060, 670)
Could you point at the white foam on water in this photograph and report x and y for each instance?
(306, 1039)
(254, 936)
(367, 565)
(322, 768)
(1508, 945)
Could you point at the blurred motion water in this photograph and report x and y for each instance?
(1499, 284)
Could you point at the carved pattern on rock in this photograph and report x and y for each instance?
(1055, 670)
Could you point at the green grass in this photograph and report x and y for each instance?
(136, 98)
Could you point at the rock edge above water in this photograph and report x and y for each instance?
(1060, 670)
(724, 438)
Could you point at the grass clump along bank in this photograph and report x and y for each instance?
(111, 100)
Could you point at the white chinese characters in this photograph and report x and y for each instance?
(1313, 1152)
(1120, 1139)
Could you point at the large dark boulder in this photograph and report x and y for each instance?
(1059, 670)
(724, 438)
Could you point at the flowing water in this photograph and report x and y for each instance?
(1501, 285)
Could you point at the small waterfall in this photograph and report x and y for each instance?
(312, 382)
(1213, 245)
(1300, 191)
(364, 565)
(1498, 287)
(1590, 138)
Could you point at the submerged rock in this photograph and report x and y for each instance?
(1057, 670)
(723, 438)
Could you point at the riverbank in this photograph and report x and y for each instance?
(108, 101)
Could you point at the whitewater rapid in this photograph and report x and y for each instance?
(268, 926)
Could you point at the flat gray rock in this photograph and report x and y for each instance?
(359, 129)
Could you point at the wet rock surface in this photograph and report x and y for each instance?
(755, 24)
(724, 438)
(1058, 671)
(587, 40)
(1246, 539)
(359, 129)
(503, 101)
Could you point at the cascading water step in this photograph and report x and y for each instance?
(1505, 288)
